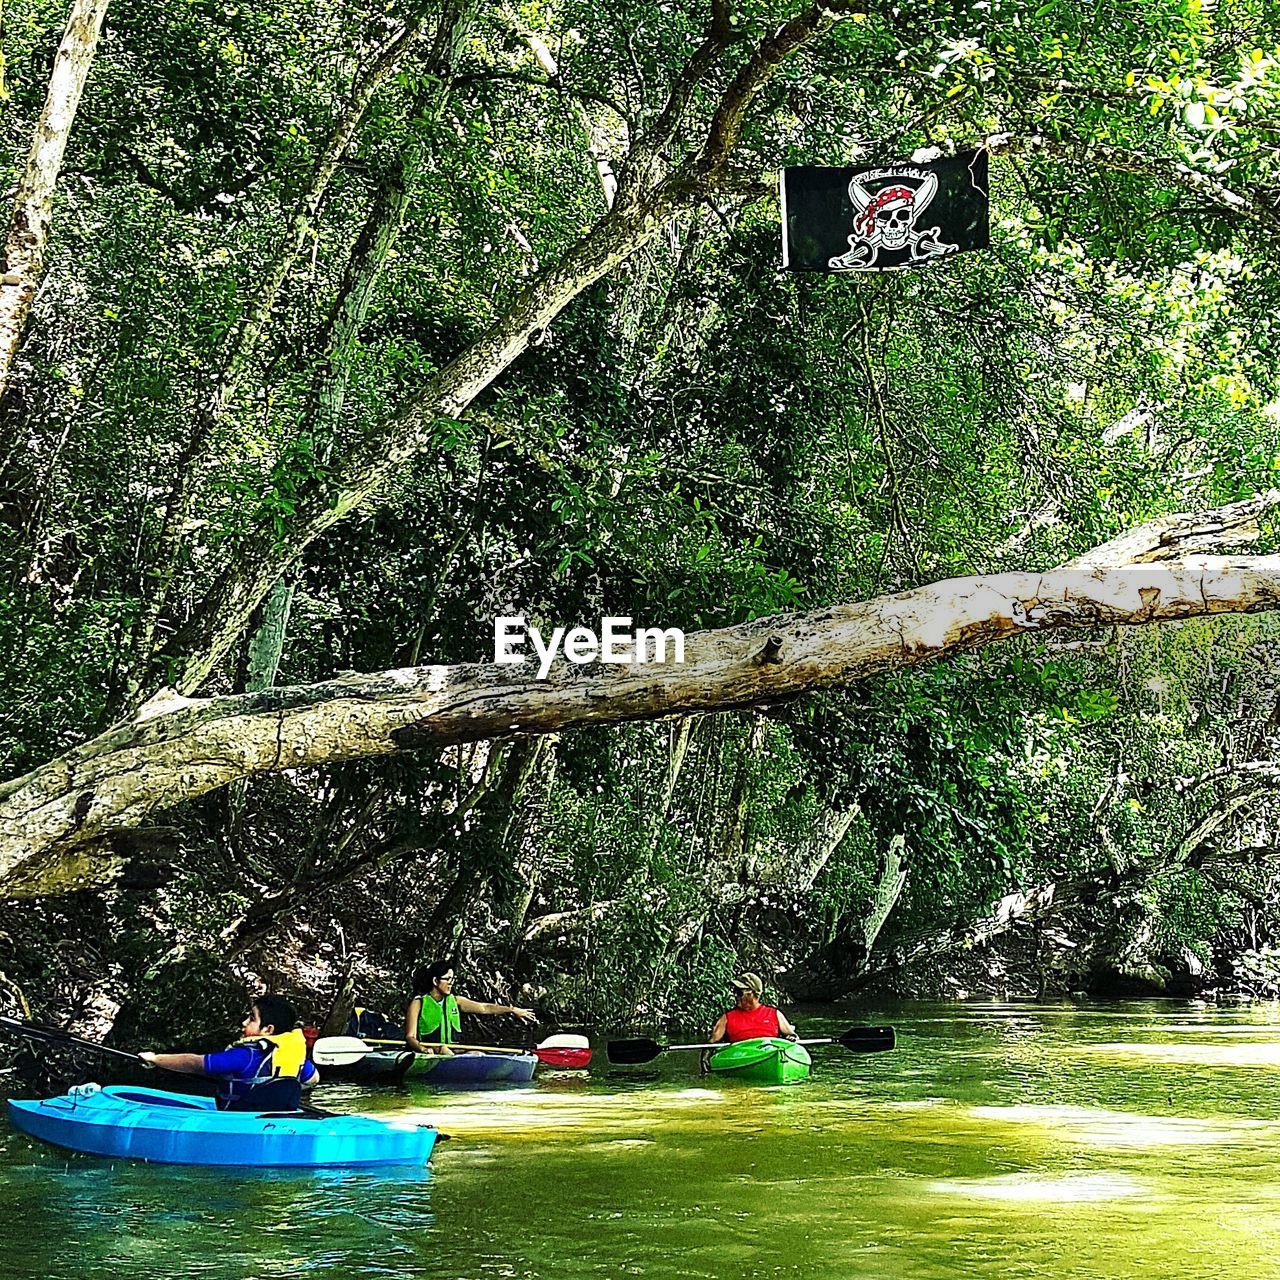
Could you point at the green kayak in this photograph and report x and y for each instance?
(763, 1061)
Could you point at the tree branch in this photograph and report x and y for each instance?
(628, 226)
(1182, 533)
(176, 748)
(28, 232)
(726, 123)
(1253, 204)
(245, 342)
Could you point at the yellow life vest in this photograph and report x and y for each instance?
(286, 1055)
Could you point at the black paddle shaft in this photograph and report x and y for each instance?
(44, 1034)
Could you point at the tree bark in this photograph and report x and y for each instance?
(230, 602)
(175, 748)
(566, 924)
(529, 867)
(893, 879)
(364, 269)
(1182, 533)
(734, 842)
(678, 739)
(828, 835)
(28, 233)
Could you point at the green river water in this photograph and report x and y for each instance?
(1018, 1140)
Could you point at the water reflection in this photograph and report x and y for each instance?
(1079, 1188)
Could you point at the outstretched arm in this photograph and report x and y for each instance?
(191, 1064)
(784, 1025)
(481, 1006)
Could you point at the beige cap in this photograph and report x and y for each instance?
(749, 982)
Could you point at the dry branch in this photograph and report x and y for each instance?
(33, 206)
(54, 819)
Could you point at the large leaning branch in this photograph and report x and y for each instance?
(28, 232)
(646, 202)
(1182, 533)
(629, 225)
(176, 748)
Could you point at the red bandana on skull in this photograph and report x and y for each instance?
(865, 223)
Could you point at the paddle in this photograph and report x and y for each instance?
(856, 1039)
(40, 1033)
(343, 1051)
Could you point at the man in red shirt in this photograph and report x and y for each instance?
(750, 1018)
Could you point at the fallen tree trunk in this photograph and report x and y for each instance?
(56, 820)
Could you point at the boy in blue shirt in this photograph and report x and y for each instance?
(266, 1070)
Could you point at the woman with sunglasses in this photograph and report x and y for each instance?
(433, 1020)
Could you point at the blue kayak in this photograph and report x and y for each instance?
(175, 1128)
(471, 1070)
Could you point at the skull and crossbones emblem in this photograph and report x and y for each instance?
(887, 219)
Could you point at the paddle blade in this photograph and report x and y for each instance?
(562, 1040)
(338, 1051)
(627, 1053)
(868, 1039)
(564, 1059)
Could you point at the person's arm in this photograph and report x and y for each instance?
(785, 1027)
(718, 1033)
(411, 1026)
(191, 1064)
(480, 1006)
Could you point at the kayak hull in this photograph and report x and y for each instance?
(471, 1070)
(123, 1122)
(382, 1066)
(765, 1060)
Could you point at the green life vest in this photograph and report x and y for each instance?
(439, 1022)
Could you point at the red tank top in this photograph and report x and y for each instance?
(761, 1021)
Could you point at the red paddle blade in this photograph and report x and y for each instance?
(564, 1059)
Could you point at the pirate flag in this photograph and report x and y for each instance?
(900, 215)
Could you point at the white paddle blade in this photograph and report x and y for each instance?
(563, 1041)
(338, 1051)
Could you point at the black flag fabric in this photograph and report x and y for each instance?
(880, 219)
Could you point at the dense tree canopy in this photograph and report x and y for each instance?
(350, 328)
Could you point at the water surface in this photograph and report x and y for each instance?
(1039, 1141)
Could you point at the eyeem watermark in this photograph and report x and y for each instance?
(615, 643)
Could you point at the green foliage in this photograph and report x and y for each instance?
(697, 440)
(1258, 972)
